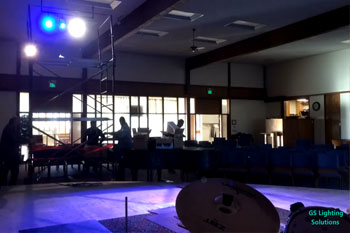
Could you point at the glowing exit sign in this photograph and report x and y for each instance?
(210, 91)
(52, 84)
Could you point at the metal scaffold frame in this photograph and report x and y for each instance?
(107, 81)
(107, 78)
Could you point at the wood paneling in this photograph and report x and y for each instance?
(208, 106)
(22, 83)
(294, 129)
(332, 113)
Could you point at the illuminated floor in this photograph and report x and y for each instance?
(34, 206)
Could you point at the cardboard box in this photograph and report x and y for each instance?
(141, 138)
(178, 142)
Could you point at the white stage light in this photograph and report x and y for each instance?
(30, 50)
(76, 27)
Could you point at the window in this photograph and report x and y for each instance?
(59, 129)
(77, 103)
(170, 111)
(225, 109)
(24, 112)
(139, 111)
(192, 106)
(297, 108)
(23, 102)
(155, 116)
(155, 104)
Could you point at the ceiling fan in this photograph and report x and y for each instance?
(194, 48)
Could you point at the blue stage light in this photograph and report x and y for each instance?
(48, 23)
(63, 25)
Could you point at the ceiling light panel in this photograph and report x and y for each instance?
(209, 40)
(148, 32)
(108, 4)
(183, 15)
(245, 25)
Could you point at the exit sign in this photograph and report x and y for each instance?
(52, 84)
(210, 91)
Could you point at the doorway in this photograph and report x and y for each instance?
(209, 126)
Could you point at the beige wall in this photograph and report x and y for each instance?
(313, 75)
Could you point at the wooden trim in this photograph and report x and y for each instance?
(313, 26)
(22, 83)
(284, 98)
(228, 79)
(129, 24)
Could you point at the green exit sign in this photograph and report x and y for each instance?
(210, 91)
(52, 84)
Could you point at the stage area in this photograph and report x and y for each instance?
(30, 207)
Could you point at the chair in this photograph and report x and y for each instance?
(304, 143)
(234, 164)
(205, 144)
(336, 142)
(303, 166)
(257, 161)
(324, 147)
(343, 156)
(328, 167)
(190, 143)
(281, 164)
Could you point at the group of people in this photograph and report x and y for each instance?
(11, 139)
(94, 136)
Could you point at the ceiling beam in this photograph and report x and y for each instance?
(313, 26)
(129, 24)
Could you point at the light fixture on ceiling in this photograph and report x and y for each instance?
(77, 27)
(106, 4)
(209, 40)
(183, 15)
(303, 100)
(194, 48)
(346, 41)
(30, 50)
(245, 25)
(149, 32)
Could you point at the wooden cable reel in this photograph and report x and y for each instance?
(222, 205)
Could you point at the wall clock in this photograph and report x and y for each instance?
(316, 106)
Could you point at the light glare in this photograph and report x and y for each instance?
(30, 50)
(48, 23)
(77, 28)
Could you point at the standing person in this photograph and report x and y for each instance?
(172, 132)
(11, 139)
(124, 144)
(123, 136)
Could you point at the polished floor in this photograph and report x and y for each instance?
(40, 205)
